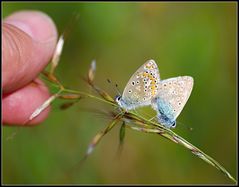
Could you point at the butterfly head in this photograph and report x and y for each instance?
(124, 103)
(118, 100)
(173, 124)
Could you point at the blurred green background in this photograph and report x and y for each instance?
(196, 39)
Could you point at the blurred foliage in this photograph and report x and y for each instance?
(196, 39)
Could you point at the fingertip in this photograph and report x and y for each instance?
(29, 40)
(17, 107)
(37, 24)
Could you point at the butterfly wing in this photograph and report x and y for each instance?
(175, 92)
(143, 85)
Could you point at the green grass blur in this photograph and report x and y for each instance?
(196, 39)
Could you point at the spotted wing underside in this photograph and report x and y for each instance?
(175, 91)
(143, 85)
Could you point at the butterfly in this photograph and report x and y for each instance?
(172, 96)
(141, 87)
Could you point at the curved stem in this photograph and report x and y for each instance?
(167, 133)
(88, 95)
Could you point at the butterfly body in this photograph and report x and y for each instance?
(165, 113)
(128, 104)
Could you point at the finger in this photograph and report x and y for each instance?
(29, 39)
(18, 106)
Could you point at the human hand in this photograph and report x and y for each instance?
(28, 42)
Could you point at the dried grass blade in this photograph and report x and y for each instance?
(57, 54)
(91, 72)
(42, 107)
(100, 135)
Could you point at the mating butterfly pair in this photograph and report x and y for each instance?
(167, 97)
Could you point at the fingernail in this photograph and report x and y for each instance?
(36, 24)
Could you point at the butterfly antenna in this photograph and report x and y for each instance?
(184, 125)
(116, 86)
(117, 89)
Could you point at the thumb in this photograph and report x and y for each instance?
(29, 39)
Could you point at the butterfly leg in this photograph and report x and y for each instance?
(117, 108)
(152, 118)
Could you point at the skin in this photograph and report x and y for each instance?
(28, 42)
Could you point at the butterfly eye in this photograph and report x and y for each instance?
(174, 124)
(118, 97)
